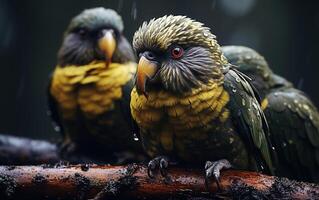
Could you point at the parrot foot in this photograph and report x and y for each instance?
(160, 162)
(213, 169)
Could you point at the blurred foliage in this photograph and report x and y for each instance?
(285, 32)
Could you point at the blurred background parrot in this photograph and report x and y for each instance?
(89, 91)
(190, 106)
(292, 117)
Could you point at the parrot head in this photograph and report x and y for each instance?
(95, 34)
(176, 54)
(248, 61)
(256, 67)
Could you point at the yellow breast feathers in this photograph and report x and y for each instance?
(196, 109)
(91, 88)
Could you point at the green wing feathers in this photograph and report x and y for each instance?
(294, 126)
(249, 118)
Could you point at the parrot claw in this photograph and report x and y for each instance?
(160, 162)
(212, 169)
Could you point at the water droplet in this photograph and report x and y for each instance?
(135, 137)
(243, 102)
(119, 6)
(234, 90)
(237, 79)
(285, 103)
(276, 94)
(266, 75)
(289, 106)
(295, 101)
(206, 34)
(134, 10)
(57, 128)
(284, 144)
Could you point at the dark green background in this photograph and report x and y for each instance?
(285, 32)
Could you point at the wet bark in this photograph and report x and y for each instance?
(132, 182)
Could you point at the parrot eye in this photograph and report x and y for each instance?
(82, 32)
(177, 52)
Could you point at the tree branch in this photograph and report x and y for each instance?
(132, 181)
(23, 151)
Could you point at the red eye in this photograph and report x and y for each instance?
(177, 52)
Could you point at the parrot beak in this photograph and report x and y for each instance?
(107, 44)
(145, 70)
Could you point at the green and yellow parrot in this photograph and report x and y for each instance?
(89, 92)
(292, 117)
(190, 105)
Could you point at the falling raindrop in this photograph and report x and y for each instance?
(135, 137)
(214, 4)
(134, 10)
(119, 6)
(300, 84)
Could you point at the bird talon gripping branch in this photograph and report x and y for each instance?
(194, 107)
(161, 163)
(212, 169)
